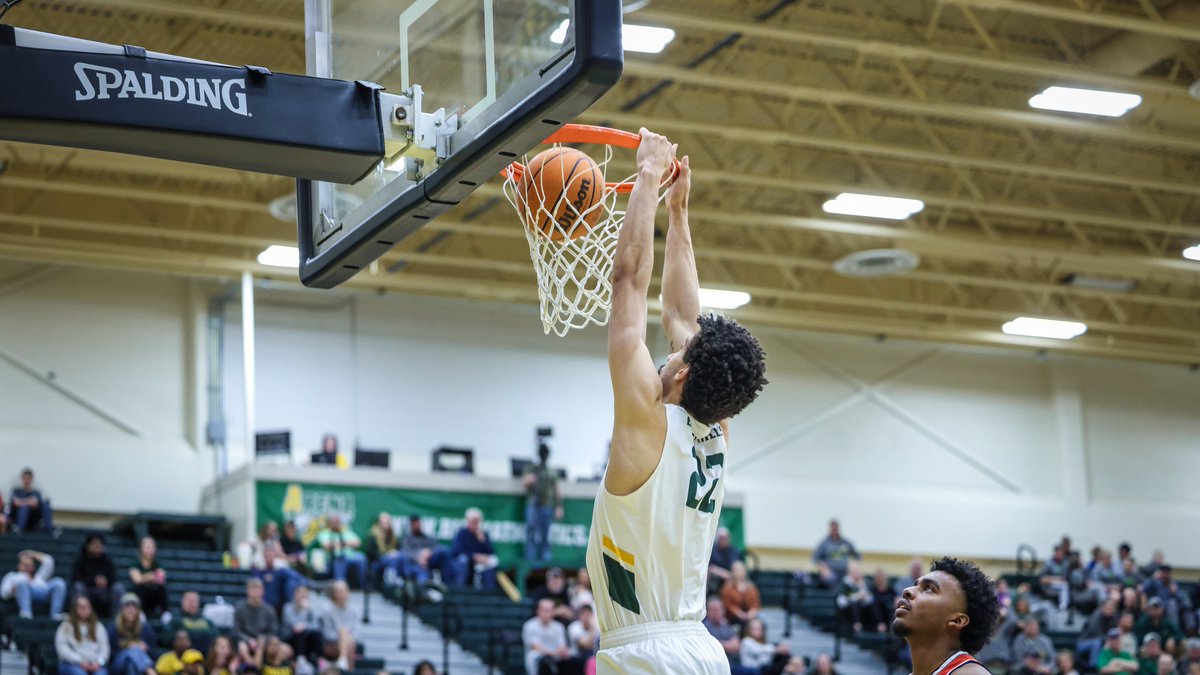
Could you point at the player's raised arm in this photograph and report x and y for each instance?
(680, 284)
(636, 387)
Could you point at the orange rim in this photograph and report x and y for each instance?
(590, 133)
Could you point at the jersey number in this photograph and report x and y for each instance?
(703, 504)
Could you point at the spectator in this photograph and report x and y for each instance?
(95, 576)
(1148, 657)
(253, 621)
(583, 635)
(1064, 663)
(1053, 580)
(854, 599)
(422, 557)
(275, 657)
(1002, 595)
(823, 665)
(171, 661)
(720, 628)
(1192, 655)
(279, 583)
(1113, 658)
(1155, 621)
(1124, 553)
(129, 639)
(340, 627)
(545, 641)
(424, 668)
(1166, 665)
(293, 548)
(222, 659)
(555, 591)
(833, 556)
(1178, 605)
(756, 652)
(200, 630)
(302, 627)
(250, 552)
(149, 579)
(383, 546)
(740, 596)
(473, 554)
(34, 581)
(1033, 652)
(1157, 560)
(343, 546)
(3, 516)
(543, 506)
(580, 592)
(883, 601)
(1129, 640)
(720, 563)
(1103, 572)
(1086, 595)
(1131, 601)
(1129, 576)
(1091, 640)
(915, 569)
(329, 451)
(29, 511)
(81, 642)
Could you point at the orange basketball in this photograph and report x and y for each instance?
(559, 186)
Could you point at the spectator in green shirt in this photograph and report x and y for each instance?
(344, 547)
(199, 629)
(1113, 659)
(1155, 621)
(1151, 650)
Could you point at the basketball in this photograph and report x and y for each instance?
(558, 186)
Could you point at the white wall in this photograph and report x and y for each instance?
(114, 436)
(917, 448)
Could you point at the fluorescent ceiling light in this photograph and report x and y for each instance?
(873, 206)
(1192, 252)
(1087, 101)
(1045, 328)
(1099, 283)
(714, 298)
(280, 256)
(647, 39)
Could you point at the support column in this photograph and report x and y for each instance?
(248, 363)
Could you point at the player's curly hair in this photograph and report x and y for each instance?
(982, 606)
(726, 367)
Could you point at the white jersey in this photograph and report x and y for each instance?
(648, 551)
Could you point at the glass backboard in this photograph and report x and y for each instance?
(491, 79)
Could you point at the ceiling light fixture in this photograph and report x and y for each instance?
(635, 38)
(280, 256)
(1044, 328)
(1086, 101)
(715, 298)
(1192, 252)
(1099, 283)
(873, 206)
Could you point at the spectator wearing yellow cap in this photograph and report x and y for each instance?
(173, 662)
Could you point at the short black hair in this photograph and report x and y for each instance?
(982, 606)
(726, 368)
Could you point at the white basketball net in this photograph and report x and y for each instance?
(574, 276)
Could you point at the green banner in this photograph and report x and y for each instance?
(442, 514)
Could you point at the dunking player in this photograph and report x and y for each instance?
(656, 513)
(946, 616)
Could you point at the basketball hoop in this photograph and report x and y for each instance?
(573, 257)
